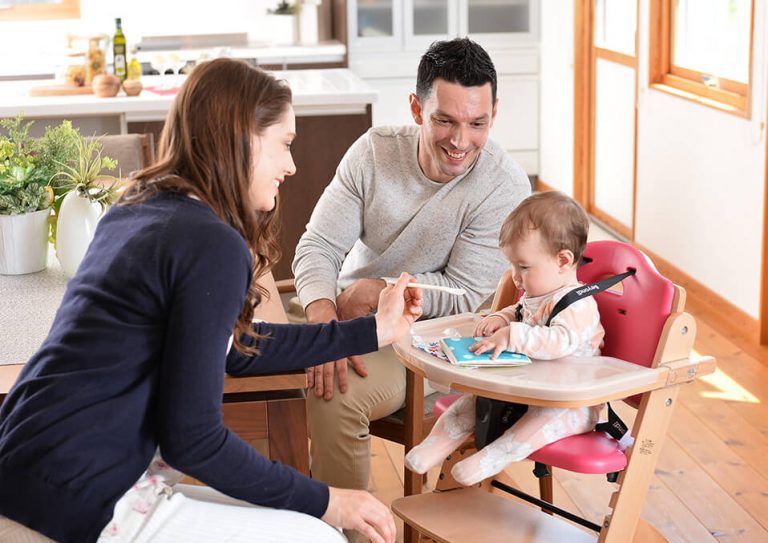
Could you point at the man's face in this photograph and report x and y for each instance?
(455, 122)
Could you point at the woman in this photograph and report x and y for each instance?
(161, 305)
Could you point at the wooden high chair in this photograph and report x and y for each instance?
(647, 353)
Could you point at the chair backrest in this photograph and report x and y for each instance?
(634, 315)
(132, 152)
(271, 309)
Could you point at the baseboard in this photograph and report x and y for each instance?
(729, 320)
(542, 186)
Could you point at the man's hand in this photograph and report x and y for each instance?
(361, 298)
(321, 378)
(359, 510)
(498, 342)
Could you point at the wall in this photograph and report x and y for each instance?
(556, 95)
(700, 172)
(700, 181)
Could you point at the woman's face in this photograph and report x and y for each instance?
(272, 161)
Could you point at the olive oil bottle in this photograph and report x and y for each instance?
(119, 50)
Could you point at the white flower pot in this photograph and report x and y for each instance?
(75, 226)
(280, 30)
(24, 242)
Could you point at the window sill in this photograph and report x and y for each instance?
(709, 102)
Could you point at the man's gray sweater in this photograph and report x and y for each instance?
(380, 216)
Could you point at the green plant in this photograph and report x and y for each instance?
(83, 176)
(27, 165)
(284, 8)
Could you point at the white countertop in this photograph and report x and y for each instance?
(262, 53)
(315, 92)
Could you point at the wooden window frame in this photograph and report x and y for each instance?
(66, 9)
(730, 96)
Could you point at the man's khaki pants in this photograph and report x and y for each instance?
(341, 443)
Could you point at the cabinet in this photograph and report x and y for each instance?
(414, 24)
(386, 39)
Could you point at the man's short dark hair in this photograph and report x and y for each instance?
(459, 61)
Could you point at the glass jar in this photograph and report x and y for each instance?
(95, 58)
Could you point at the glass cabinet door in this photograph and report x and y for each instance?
(501, 17)
(375, 19)
(430, 17)
(429, 20)
(375, 23)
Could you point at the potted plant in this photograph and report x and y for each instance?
(26, 168)
(83, 194)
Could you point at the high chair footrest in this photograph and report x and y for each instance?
(475, 515)
(593, 452)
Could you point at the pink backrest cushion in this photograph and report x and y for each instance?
(633, 319)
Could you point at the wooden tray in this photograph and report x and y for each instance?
(59, 90)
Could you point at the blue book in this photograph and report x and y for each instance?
(458, 353)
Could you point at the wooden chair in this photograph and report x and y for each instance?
(394, 427)
(132, 152)
(264, 407)
(271, 407)
(646, 325)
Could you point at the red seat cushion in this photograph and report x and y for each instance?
(444, 403)
(593, 452)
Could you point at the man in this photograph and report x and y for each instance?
(426, 199)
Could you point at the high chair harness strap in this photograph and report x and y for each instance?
(587, 290)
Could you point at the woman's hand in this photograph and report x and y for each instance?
(359, 510)
(498, 342)
(399, 307)
(489, 325)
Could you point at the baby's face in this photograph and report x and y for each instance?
(535, 269)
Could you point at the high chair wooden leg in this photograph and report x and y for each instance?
(546, 491)
(649, 430)
(414, 415)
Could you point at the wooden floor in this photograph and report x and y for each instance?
(711, 483)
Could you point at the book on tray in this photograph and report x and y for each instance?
(458, 353)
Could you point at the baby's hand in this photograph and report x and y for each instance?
(498, 342)
(489, 325)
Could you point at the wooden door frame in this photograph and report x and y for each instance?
(583, 101)
(763, 309)
(585, 60)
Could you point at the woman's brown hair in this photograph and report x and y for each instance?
(206, 151)
(560, 220)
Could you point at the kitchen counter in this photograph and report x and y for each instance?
(335, 91)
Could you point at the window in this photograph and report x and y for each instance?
(701, 49)
(17, 10)
(615, 24)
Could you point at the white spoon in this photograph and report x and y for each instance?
(449, 290)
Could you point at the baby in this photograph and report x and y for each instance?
(543, 239)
